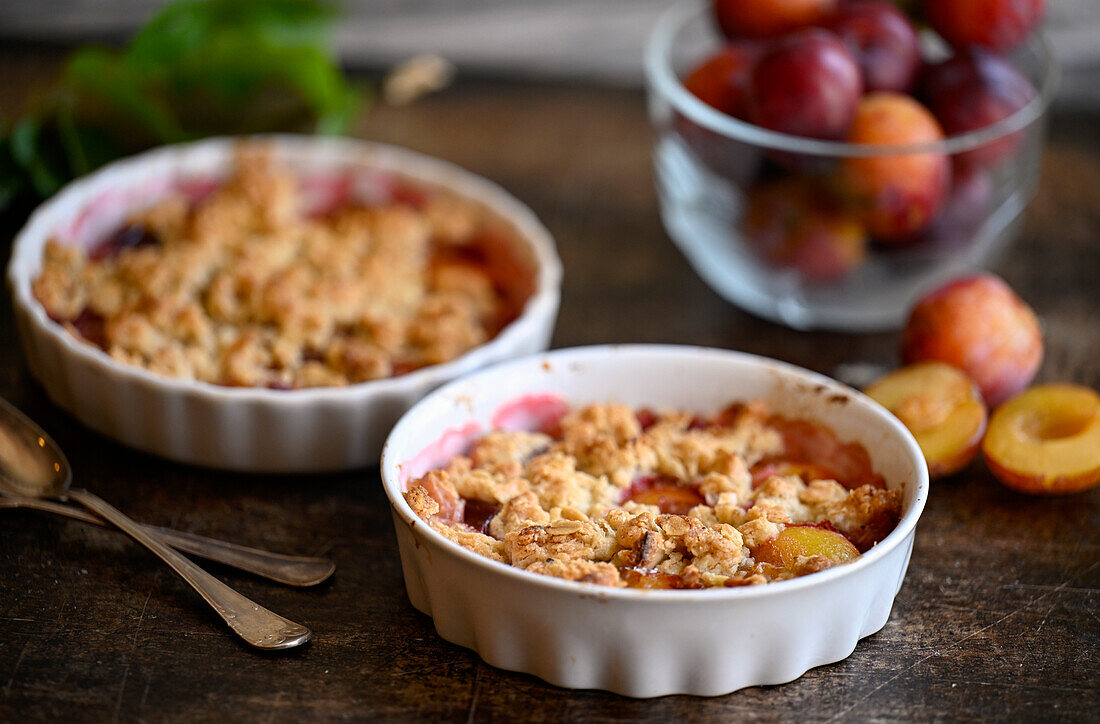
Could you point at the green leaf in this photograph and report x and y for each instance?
(197, 67)
(183, 29)
(122, 95)
(43, 168)
(237, 66)
(86, 147)
(70, 139)
(13, 179)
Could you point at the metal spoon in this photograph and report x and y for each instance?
(32, 465)
(291, 570)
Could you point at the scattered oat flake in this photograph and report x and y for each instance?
(416, 77)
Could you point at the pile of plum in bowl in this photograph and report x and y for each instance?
(821, 163)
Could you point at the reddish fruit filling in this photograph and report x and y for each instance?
(403, 193)
(128, 237)
(91, 326)
(474, 256)
(404, 367)
(669, 494)
(638, 578)
(646, 418)
(478, 514)
(814, 446)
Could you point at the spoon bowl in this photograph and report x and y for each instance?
(31, 463)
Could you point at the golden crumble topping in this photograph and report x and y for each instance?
(632, 498)
(245, 286)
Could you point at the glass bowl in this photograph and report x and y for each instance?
(725, 186)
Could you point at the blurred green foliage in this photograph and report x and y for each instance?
(197, 68)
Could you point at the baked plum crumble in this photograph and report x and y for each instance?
(244, 284)
(648, 499)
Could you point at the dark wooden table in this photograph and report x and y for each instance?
(999, 617)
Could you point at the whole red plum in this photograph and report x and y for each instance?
(901, 193)
(981, 326)
(995, 24)
(806, 84)
(962, 215)
(884, 42)
(766, 18)
(972, 90)
(722, 80)
(795, 222)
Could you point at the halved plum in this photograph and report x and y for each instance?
(943, 409)
(1046, 440)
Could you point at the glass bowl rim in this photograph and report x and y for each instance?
(664, 82)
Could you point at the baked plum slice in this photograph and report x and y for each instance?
(797, 542)
(672, 496)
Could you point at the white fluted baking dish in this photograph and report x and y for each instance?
(258, 430)
(645, 643)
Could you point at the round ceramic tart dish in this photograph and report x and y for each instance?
(266, 427)
(638, 641)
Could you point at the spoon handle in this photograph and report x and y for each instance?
(290, 570)
(252, 622)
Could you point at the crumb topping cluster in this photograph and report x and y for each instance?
(246, 287)
(662, 500)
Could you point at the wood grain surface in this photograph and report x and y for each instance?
(999, 617)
